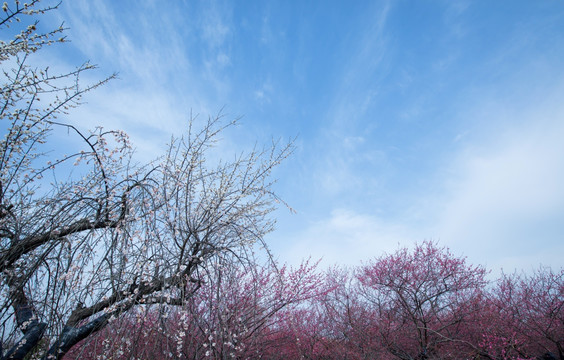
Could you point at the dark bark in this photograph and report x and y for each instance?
(26, 245)
(28, 323)
(73, 335)
(26, 344)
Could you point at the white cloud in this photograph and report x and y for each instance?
(345, 237)
(504, 202)
(264, 93)
(223, 60)
(266, 36)
(214, 26)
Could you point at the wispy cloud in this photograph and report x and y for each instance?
(159, 78)
(339, 152)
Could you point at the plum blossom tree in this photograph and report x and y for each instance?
(422, 300)
(351, 331)
(239, 312)
(526, 317)
(88, 235)
(241, 309)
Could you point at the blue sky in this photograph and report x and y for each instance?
(414, 119)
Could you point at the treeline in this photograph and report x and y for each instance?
(423, 303)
